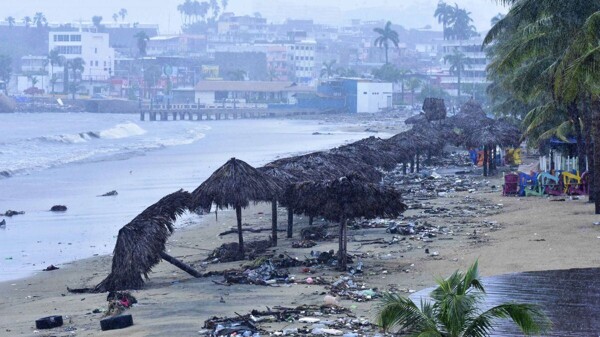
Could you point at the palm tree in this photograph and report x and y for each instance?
(97, 21)
(458, 62)
(77, 65)
(386, 35)
(55, 59)
(444, 14)
(11, 21)
(123, 13)
(39, 19)
(27, 21)
(142, 42)
(327, 69)
(455, 311)
(403, 74)
(115, 17)
(224, 4)
(461, 28)
(214, 5)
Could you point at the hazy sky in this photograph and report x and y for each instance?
(409, 13)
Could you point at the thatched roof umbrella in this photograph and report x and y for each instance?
(141, 243)
(235, 184)
(316, 166)
(343, 199)
(372, 151)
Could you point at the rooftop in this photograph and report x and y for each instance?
(256, 86)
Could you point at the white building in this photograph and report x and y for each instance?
(373, 96)
(302, 57)
(93, 48)
(475, 73)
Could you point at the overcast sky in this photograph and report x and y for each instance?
(409, 13)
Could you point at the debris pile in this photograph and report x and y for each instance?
(228, 252)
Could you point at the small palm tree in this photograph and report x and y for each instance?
(327, 70)
(115, 17)
(27, 21)
(455, 311)
(386, 35)
(11, 21)
(458, 62)
(123, 13)
(444, 14)
(39, 19)
(55, 59)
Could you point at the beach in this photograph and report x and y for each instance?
(506, 234)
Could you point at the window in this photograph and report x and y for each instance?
(91, 63)
(96, 51)
(364, 92)
(96, 63)
(69, 50)
(76, 38)
(61, 38)
(104, 64)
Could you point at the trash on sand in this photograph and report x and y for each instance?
(50, 268)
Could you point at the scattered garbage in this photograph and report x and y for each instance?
(3, 223)
(229, 252)
(303, 244)
(118, 302)
(50, 268)
(58, 208)
(315, 233)
(49, 322)
(109, 194)
(11, 213)
(116, 322)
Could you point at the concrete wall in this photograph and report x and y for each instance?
(372, 97)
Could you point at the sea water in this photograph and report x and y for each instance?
(71, 159)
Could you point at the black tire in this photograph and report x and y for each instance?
(49, 322)
(117, 322)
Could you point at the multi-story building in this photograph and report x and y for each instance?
(474, 76)
(93, 48)
(302, 58)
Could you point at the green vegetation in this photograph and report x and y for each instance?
(544, 72)
(142, 42)
(456, 22)
(5, 68)
(455, 311)
(458, 62)
(386, 36)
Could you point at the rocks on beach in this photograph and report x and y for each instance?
(109, 194)
(11, 213)
(58, 208)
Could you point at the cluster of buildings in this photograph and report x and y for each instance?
(244, 61)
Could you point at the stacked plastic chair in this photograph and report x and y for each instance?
(511, 184)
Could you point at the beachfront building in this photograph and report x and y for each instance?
(248, 94)
(353, 95)
(95, 51)
(474, 77)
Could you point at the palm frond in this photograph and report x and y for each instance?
(403, 313)
(528, 317)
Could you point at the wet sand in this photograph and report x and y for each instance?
(523, 234)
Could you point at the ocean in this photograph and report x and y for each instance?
(71, 159)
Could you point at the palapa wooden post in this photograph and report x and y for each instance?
(418, 162)
(186, 268)
(290, 224)
(412, 164)
(342, 256)
(310, 220)
(404, 168)
(238, 214)
(485, 160)
(274, 222)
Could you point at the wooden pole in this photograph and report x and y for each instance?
(274, 222)
(404, 168)
(186, 268)
(290, 224)
(238, 214)
(310, 220)
(412, 164)
(485, 160)
(418, 162)
(342, 254)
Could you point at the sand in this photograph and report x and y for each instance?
(526, 234)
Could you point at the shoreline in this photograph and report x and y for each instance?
(528, 234)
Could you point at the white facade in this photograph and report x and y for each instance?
(372, 97)
(93, 48)
(302, 58)
(475, 70)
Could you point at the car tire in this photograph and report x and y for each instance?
(116, 322)
(49, 322)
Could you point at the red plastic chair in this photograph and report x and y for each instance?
(511, 184)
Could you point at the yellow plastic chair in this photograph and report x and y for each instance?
(570, 180)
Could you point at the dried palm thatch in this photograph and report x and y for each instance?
(141, 242)
(343, 199)
(416, 119)
(434, 109)
(325, 165)
(372, 151)
(234, 185)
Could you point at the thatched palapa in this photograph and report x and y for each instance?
(141, 242)
(234, 185)
(343, 199)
